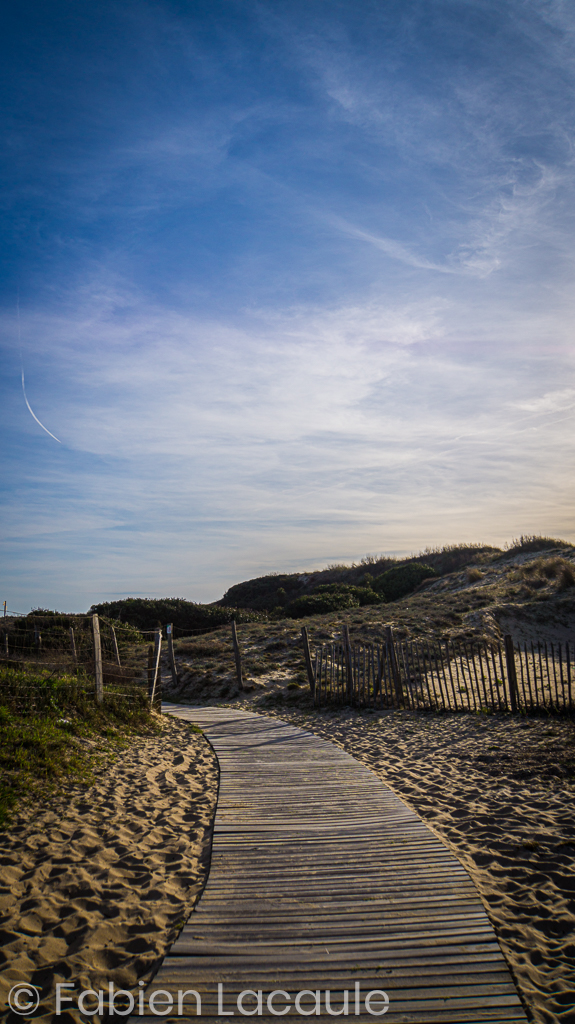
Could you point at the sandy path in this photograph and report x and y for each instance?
(501, 792)
(95, 886)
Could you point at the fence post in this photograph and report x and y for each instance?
(150, 669)
(156, 662)
(98, 673)
(348, 663)
(237, 654)
(6, 644)
(115, 646)
(377, 681)
(511, 670)
(73, 646)
(394, 666)
(38, 640)
(308, 664)
(172, 660)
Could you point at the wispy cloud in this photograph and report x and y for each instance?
(396, 250)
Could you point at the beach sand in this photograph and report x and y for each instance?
(95, 885)
(500, 792)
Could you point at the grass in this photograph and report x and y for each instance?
(53, 732)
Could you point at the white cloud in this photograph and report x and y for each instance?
(550, 402)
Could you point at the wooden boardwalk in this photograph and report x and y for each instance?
(322, 879)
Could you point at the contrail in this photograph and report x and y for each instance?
(31, 411)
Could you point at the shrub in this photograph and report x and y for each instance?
(54, 630)
(402, 580)
(332, 599)
(147, 613)
(367, 595)
(263, 593)
(474, 575)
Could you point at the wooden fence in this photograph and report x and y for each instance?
(84, 650)
(444, 675)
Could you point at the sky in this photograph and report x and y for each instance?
(290, 282)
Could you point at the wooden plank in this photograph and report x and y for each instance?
(321, 878)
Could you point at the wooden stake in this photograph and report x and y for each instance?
(6, 644)
(172, 660)
(511, 671)
(307, 655)
(237, 654)
(115, 645)
(156, 666)
(98, 673)
(150, 669)
(73, 647)
(394, 665)
(348, 664)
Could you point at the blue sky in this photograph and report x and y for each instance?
(295, 281)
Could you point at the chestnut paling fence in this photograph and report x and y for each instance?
(444, 675)
(414, 674)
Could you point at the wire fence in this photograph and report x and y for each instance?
(86, 656)
(108, 659)
(445, 675)
(84, 653)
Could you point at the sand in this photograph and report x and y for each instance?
(500, 792)
(95, 886)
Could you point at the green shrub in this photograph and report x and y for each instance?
(320, 604)
(54, 630)
(367, 595)
(147, 613)
(402, 580)
(263, 593)
(332, 597)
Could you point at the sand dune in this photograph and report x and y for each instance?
(95, 887)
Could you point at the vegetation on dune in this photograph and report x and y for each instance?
(54, 629)
(51, 730)
(375, 580)
(488, 594)
(540, 572)
(331, 597)
(402, 580)
(531, 543)
(265, 592)
(148, 613)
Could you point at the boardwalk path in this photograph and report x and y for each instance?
(322, 879)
